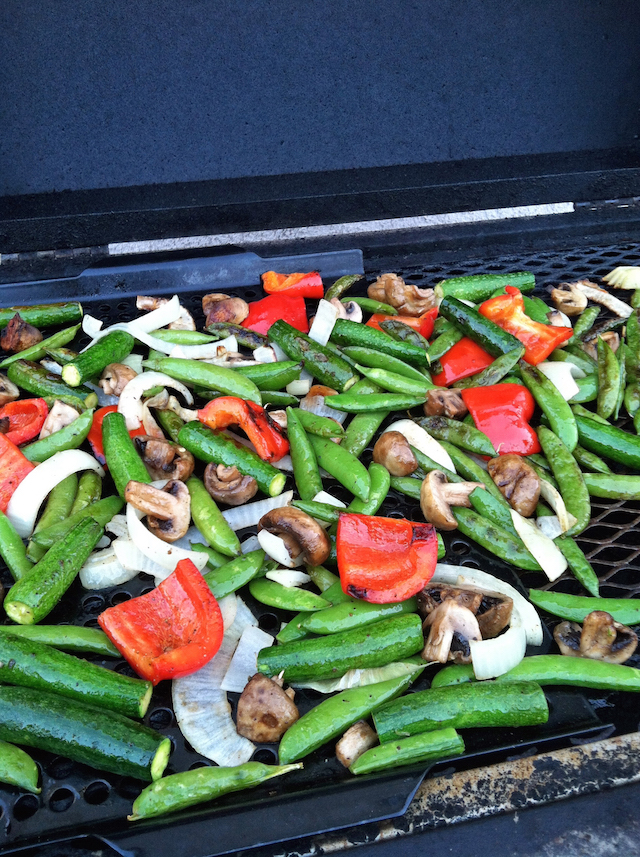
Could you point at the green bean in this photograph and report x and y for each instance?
(569, 477)
(495, 539)
(274, 594)
(613, 486)
(89, 491)
(380, 483)
(585, 322)
(372, 306)
(362, 427)
(552, 403)
(303, 457)
(210, 521)
(12, 549)
(354, 614)
(367, 402)
(179, 791)
(576, 608)
(590, 461)
(18, 768)
(394, 383)
(38, 351)
(341, 286)
(426, 747)
(459, 434)
(314, 424)
(69, 638)
(494, 373)
(443, 343)
(579, 564)
(403, 333)
(376, 360)
(69, 437)
(342, 465)
(608, 379)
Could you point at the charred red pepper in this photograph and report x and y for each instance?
(263, 432)
(423, 323)
(14, 466)
(171, 631)
(539, 340)
(464, 358)
(22, 420)
(95, 432)
(264, 313)
(384, 560)
(502, 412)
(303, 285)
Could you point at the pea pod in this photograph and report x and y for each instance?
(352, 333)
(427, 747)
(362, 427)
(18, 768)
(322, 511)
(494, 373)
(333, 593)
(459, 434)
(333, 716)
(569, 477)
(585, 322)
(247, 338)
(272, 376)
(354, 614)
(292, 598)
(303, 457)
(278, 398)
(579, 411)
(367, 402)
(12, 549)
(38, 351)
(209, 519)
(403, 333)
(552, 670)
(215, 560)
(579, 564)
(315, 424)
(375, 360)
(471, 471)
(632, 398)
(613, 486)
(170, 423)
(552, 403)
(69, 437)
(608, 379)
(561, 355)
(186, 337)
(486, 505)
(372, 306)
(198, 373)
(632, 351)
(342, 465)
(380, 483)
(56, 511)
(590, 461)
(89, 491)
(395, 383)
(443, 342)
(587, 389)
(341, 286)
(179, 791)
(493, 538)
(609, 441)
(576, 607)
(101, 511)
(321, 362)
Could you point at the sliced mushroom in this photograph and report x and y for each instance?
(300, 532)
(590, 343)
(437, 496)
(393, 451)
(228, 485)
(517, 481)
(494, 614)
(168, 509)
(568, 298)
(447, 403)
(183, 322)
(349, 310)
(492, 610)
(451, 627)
(600, 296)
(434, 595)
(406, 298)
(115, 378)
(599, 638)
(8, 390)
(59, 417)
(224, 308)
(163, 459)
(356, 740)
(265, 711)
(558, 318)
(18, 335)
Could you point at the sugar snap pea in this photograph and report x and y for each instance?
(471, 471)
(342, 286)
(632, 398)
(362, 427)
(494, 373)
(366, 402)
(292, 598)
(425, 747)
(209, 519)
(215, 560)
(342, 465)
(322, 511)
(459, 434)
(569, 477)
(493, 538)
(69, 437)
(587, 389)
(395, 383)
(347, 332)
(198, 373)
(373, 306)
(303, 457)
(585, 322)
(380, 483)
(576, 607)
(38, 351)
(403, 333)
(613, 486)
(278, 398)
(375, 360)
(354, 614)
(486, 505)
(608, 379)
(590, 461)
(56, 511)
(333, 593)
(272, 376)
(561, 355)
(170, 423)
(12, 549)
(18, 768)
(579, 564)
(315, 424)
(552, 403)
(89, 491)
(101, 511)
(184, 337)
(579, 411)
(247, 338)
(443, 342)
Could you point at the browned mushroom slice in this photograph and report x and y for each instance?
(298, 529)
(492, 610)
(265, 711)
(356, 740)
(163, 459)
(228, 485)
(437, 496)
(569, 299)
(517, 481)
(406, 298)
(392, 450)
(567, 636)
(18, 335)
(8, 390)
(349, 310)
(224, 308)
(59, 417)
(451, 628)
(604, 639)
(183, 322)
(168, 509)
(447, 403)
(494, 614)
(115, 378)
(435, 594)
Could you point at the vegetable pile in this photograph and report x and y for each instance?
(249, 464)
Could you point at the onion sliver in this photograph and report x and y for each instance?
(201, 707)
(229, 609)
(299, 388)
(422, 440)
(288, 577)
(102, 569)
(494, 657)
(561, 376)
(244, 662)
(318, 405)
(130, 403)
(554, 499)
(544, 549)
(323, 323)
(206, 351)
(249, 515)
(325, 497)
(550, 526)
(162, 553)
(132, 558)
(274, 547)
(455, 575)
(361, 678)
(30, 494)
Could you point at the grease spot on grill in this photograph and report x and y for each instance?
(25, 807)
(61, 800)
(96, 792)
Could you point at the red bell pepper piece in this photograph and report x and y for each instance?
(264, 313)
(502, 412)
(464, 358)
(95, 432)
(423, 323)
(263, 432)
(304, 285)
(384, 560)
(539, 340)
(169, 632)
(14, 466)
(25, 419)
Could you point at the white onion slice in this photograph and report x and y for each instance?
(37, 484)
(550, 526)
(299, 388)
(561, 377)
(193, 536)
(51, 366)
(323, 323)
(163, 553)
(102, 569)
(134, 361)
(554, 499)
(249, 514)
(288, 577)
(623, 277)
(543, 549)
(498, 655)
(422, 440)
(206, 350)
(280, 354)
(201, 707)
(117, 526)
(132, 558)
(274, 547)
(104, 399)
(454, 575)
(130, 402)
(140, 327)
(91, 325)
(318, 405)
(361, 677)
(265, 354)
(325, 497)
(250, 544)
(244, 662)
(284, 463)
(229, 610)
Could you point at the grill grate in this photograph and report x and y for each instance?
(76, 798)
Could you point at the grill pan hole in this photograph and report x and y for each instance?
(25, 807)
(267, 757)
(60, 768)
(93, 603)
(129, 788)
(200, 764)
(119, 597)
(161, 718)
(269, 622)
(61, 800)
(96, 792)
(460, 548)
